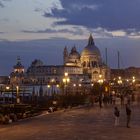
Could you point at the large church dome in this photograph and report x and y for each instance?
(90, 49)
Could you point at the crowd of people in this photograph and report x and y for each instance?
(125, 100)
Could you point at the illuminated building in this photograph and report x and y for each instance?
(86, 66)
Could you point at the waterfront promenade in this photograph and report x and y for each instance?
(84, 123)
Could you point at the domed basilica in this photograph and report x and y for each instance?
(90, 61)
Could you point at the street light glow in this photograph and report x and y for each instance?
(74, 85)
(48, 86)
(52, 80)
(80, 85)
(7, 87)
(57, 86)
(66, 74)
(100, 76)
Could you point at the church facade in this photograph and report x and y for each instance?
(87, 66)
(89, 61)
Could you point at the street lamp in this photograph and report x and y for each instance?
(100, 81)
(133, 82)
(119, 80)
(58, 86)
(48, 86)
(7, 87)
(52, 84)
(66, 80)
(17, 95)
(120, 84)
(133, 79)
(8, 90)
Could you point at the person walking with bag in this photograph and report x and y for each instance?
(117, 115)
(128, 115)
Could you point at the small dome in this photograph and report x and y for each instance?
(91, 49)
(36, 63)
(74, 54)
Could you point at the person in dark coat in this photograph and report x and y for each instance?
(128, 115)
(117, 115)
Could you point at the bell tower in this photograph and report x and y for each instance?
(19, 67)
(65, 55)
(18, 75)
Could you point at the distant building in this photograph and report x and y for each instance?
(4, 80)
(18, 75)
(87, 66)
(126, 73)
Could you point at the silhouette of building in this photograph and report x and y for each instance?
(87, 66)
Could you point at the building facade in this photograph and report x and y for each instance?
(89, 61)
(87, 66)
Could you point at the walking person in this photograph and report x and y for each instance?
(100, 101)
(128, 115)
(117, 115)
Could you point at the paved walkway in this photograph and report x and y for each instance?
(76, 124)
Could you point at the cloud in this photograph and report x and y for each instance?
(1, 32)
(107, 14)
(2, 3)
(47, 6)
(77, 31)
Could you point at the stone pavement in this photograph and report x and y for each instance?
(77, 124)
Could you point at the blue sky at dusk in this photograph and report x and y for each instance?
(42, 28)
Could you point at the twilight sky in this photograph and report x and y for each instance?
(42, 28)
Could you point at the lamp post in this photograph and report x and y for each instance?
(74, 88)
(58, 86)
(133, 82)
(52, 86)
(133, 79)
(48, 86)
(66, 80)
(100, 81)
(79, 89)
(120, 83)
(17, 95)
(8, 90)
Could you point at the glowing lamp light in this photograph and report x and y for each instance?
(7, 88)
(57, 86)
(74, 85)
(48, 86)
